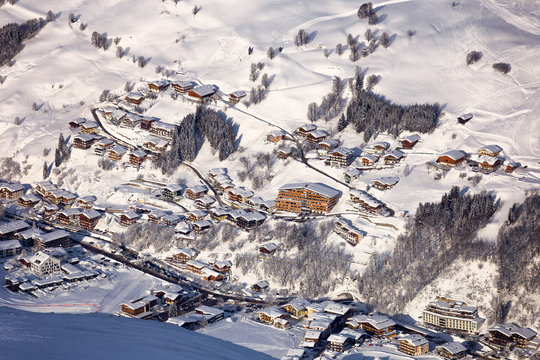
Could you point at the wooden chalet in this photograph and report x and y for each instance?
(310, 197)
(172, 192)
(137, 157)
(102, 146)
(211, 314)
(11, 191)
(196, 266)
(297, 308)
(222, 266)
(197, 215)
(134, 98)
(201, 93)
(240, 194)
(90, 127)
(61, 196)
(338, 343)
(268, 248)
(195, 192)
(316, 136)
(393, 157)
(413, 344)
(452, 158)
(147, 122)
(260, 286)
(88, 219)
(172, 298)
(211, 275)
(304, 129)
(511, 166)
(201, 226)
(235, 97)
(270, 315)
(365, 201)
(129, 218)
(505, 334)
(340, 157)
(184, 255)
(131, 121)
(44, 188)
(351, 174)
(276, 136)
(163, 129)
(29, 200)
(155, 144)
(57, 238)
(408, 142)
(158, 85)
(49, 209)
(86, 202)
(83, 141)
(348, 232)
(451, 350)
(9, 229)
(374, 324)
(76, 123)
(68, 216)
(117, 152)
(285, 152)
(245, 219)
(386, 182)
(172, 219)
(155, 216)
(490, 150)
(219, 214)
(118, 116)
(205, 202)
(368, 159)
(489, 163)
(329, 144)
(465, 118)
(182, 86)
(136, 308)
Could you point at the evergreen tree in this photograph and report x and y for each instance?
(342, 123)
(57, 158)
(45, 170)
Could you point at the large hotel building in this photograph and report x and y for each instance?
(452, 314)
(299, 197)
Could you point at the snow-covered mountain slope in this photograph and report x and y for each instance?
(28, 335)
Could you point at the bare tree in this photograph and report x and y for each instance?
(313, 112)
(271, 53)
(326, 53)
(339, 49)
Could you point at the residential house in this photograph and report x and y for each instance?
(183, 86)
(268, 248)
(86, 202)
(158, 85)
(490, 150)
(240, 194)
(117, 152)
(201, 93)
(83, 141)
(76, 123)
(316, 136)
(222, 266)
(195, 192)
(393, 157)
(68, 216)
(196, 266)
(10, 248)
(155, 144)
(285, 152)
(43, 264)
(90, 127)
(88, 219)
(386, 182)
(276, 136)
(505, 334)
(44, 188)
(186, 254)
(299, 197)
(163, 129)
(413, 344)
(137, 157)
(260, 286)
(134, 98)
(211, 275)
(102, 146)
(270, 315)
(327, 145)
(489, 163)
(351, 174)
(201, 226)
(452, 158)
(511, 166)
(374, 324)
(212, 314)
(236, 96)
(11, 191)
(29, 200)
(348, 232)
(378, 147)
(463, 119)
(172, 192)
(56, 238)
(304, 129)
(368, 159)
(297, 308)
(338, 343)
(171, 219)
(341, 157)
(129, 218)
(131, 120)
(197, 215)
(147, 122)
(60, 196)
(408, 142)
(205, 202)
(452, 350)
(9, 229)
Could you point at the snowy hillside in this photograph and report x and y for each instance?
(28, 335)
(63, 75)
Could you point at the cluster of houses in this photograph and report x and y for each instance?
(215, 270)
(18, 233)
(487, 159)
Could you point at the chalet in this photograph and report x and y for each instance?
(102, 146)
(9, 229)
(393, 157)
(197, 215)
(268, 206)
(219, 214)
(211, 275)
(276, 136)
(260, 286)
(117, 152)
(10, 248)
(68, 216)
(155, 216)
(61, 196)
(86, 202)
(341, 157)
(285, 152)
(158, 85)
(11, 191)
(463, 119)
(374, 324)
(490, 150)
(83, 141)
(368, 159)
(137, 157)
(131, 121)
(107, 111)
(155, 144)
(268, 248)
(201, 93)
(183, 231)
(49, 209)
(136, 308)
(312, 338)
(43, 264)
(297, 308)
(240, 194)
(195, 192)
(189, 322)
(56, 238)
(201, 226)
(117, 116)
(205, 202)
(304, 129)
(338, 343)
(163, 129)
(172, 298)
(171, 219)
(172, 192)
(90, 127)
(270, 315)
(452, 350)
(282, 323)
(196, 266)
(236, 96)
(452, 158)
(76, 123)
(182, 86)
(134, 98)
(147, 122)
(129, 218)
(348, 232)
(29, 200)
(508, 333)
(299, 197)
(211, 314)
(214, 172)
(88, 219)
(328, 145)
(413, 344)
(43, 188)
(245, 219)
(386, 182)
(408, 142)
(351, 174)
(377, 147)
(489, 163)
(316, 135)
(354, 334)
(186, 254)
(27, 237)
(511, 166)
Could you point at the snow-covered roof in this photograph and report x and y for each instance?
(91, 214)
(217, 171)
(13, 226)
(70, 268)
(83, 137)
(277, 133)
(510, 329)
(30, 197)
(455, 154)
(118, 113)
(271, 312)
(331, 143)
(467, 116)
(135, 95)
(198, 213)
(46, 185)
(241, 191)
(197, 189)
(184, 83)
(41, 258)
(173, 188)
(269, 246)
(207, 310)
(119, 149)
(30, 233)
(355, 334)
(52, 236)
(370, 157)
(163, 126)
(414, 339)
(238, 94)
(388, 180)
(263, 284)
(202, 223)
(307, 127)
(196, 264)
(192, 253)
(87, 199)
(312, 334)
(453, 347)
(204, 90)
(90, 124)
(11, 186)
(222, 263)
(381, 144)
(78, 121)
(9, 244)
(343, 151)
(159, 83)
(130, 215)
(352, 172)
(206, 200)
(411, 138)
(317, 134)
(378, 321)
(138, 153)
(494, 149)
(338, 339)
(298, 304)
(318, 188)
(490, 160)
(394, 153)
(70, 212)
(335, 308)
